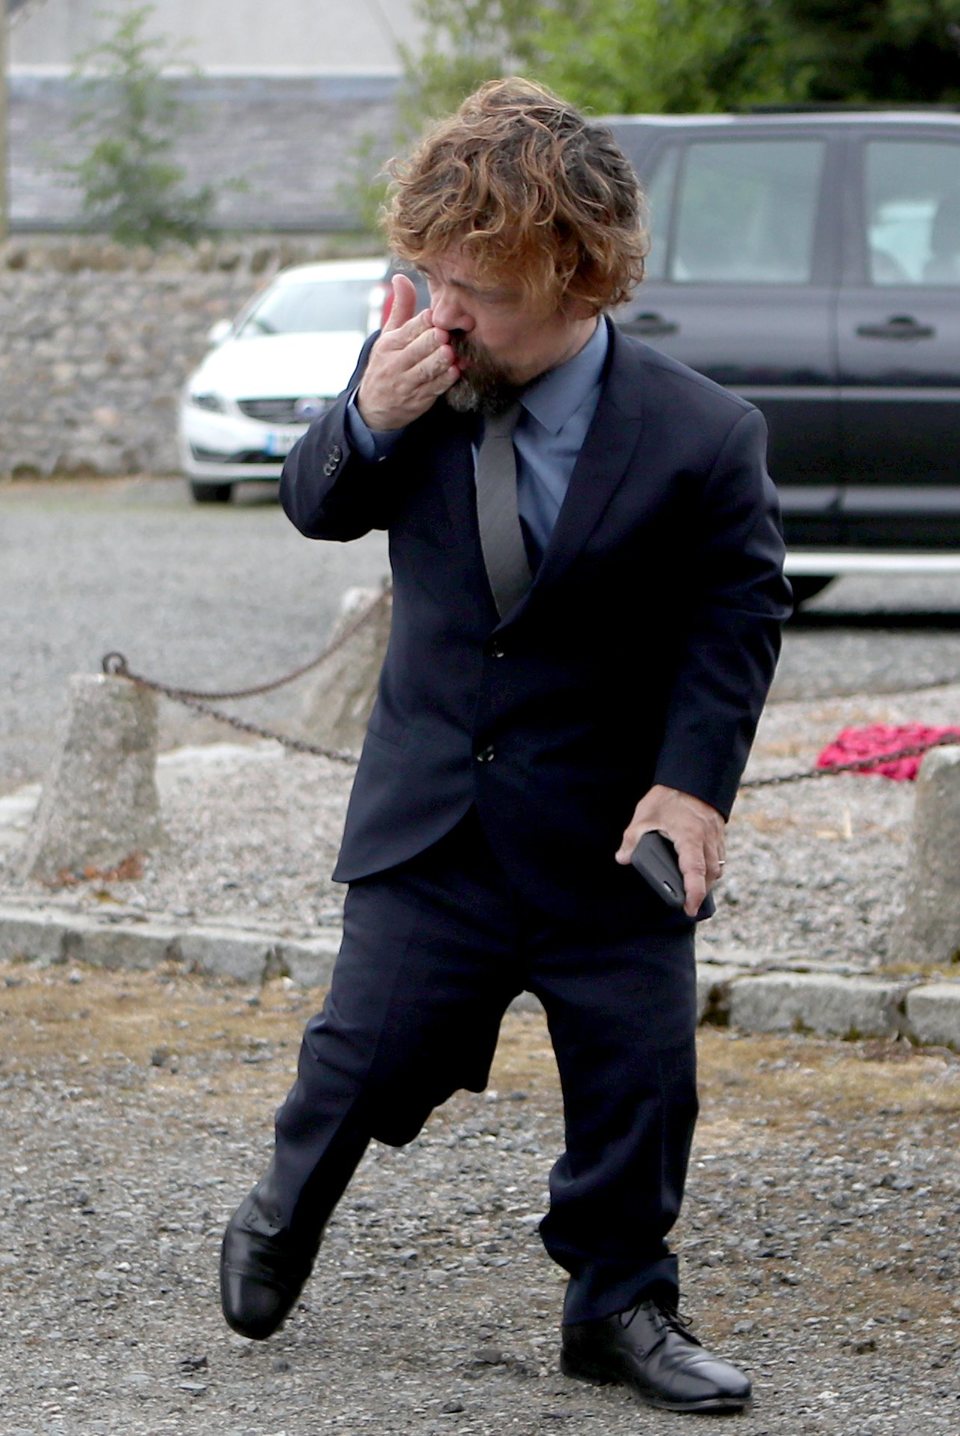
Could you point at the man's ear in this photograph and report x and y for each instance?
(578, 308)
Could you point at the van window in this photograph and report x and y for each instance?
(659, 192)
(912, 205)
(746, 212)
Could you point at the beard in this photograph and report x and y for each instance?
(485, 387)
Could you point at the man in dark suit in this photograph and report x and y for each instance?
(588, 594)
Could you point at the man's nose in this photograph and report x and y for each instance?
(448, 312)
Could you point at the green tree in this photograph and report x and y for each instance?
(628, 56)
(636, 56)
(465, 43)
(131, 186)
(611, 56)
(899, 51)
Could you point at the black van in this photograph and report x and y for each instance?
(811, 262)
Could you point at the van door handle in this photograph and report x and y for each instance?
(649, 326)
(898, 326)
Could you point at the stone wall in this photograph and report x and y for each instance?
(96, 342)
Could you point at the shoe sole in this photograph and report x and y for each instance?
(602, 1376)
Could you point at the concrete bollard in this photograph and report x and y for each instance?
(99, 805)
(339, 700)
(929, 930)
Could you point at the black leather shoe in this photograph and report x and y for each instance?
(651, 1350)
(263, 1267)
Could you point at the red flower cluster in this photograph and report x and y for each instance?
(879, 738)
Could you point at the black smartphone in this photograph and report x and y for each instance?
(655, 858)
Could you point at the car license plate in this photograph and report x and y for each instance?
(279, 442)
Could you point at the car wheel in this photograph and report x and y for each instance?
(210, 493)
(808, 585)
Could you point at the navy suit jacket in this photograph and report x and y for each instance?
(641, 654)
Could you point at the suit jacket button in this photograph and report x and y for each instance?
(485, 755)
(495, 649)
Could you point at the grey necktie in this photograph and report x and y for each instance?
(501, 536)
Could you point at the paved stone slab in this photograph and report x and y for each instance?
(223, 952)
(31, 937)
(714, 985)
(817, 1002)
(933, 1014)
(143, 946)
(308, 963)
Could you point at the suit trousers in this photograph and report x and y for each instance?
(433, 952)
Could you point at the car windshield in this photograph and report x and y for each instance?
(311, 308)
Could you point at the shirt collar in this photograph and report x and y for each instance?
(556, 395)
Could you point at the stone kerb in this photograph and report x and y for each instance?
(933, 1015)
(929, 930)
(828, 1004)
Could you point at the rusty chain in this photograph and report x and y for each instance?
(855, 765)
(115, 664)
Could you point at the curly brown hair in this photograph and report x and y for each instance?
(530, 189)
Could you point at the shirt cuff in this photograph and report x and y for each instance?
(370, 444)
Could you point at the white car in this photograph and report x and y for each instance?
(279, 365)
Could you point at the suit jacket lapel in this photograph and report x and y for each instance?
(448, 436)
(604, 458)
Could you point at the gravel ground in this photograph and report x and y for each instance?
(818, 1242)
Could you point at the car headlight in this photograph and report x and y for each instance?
(208, 400)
